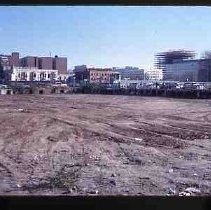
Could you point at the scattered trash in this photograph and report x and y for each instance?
(73, 188)
(113, 182)
(172, 190)
(138, 139)
(50, 138)
(184, 194)
(21, 110)
(192, 190)
(94, 192)
(189, 191)
(36, 158)
(171, 170)
(195, 174)
(113, 175)
(18, 185)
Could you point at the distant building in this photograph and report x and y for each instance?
(7, 62)
(132, 73)
(33, 74)
(46, 63)
(187, 70)
(60, 63)
(95, 75)
(154, 74)
(30, 61)
(197, 70)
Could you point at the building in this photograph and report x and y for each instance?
(7, 62)
(204, 74)
(95, 75)
(186, 70)
(46, 63)
(57, 63)
(196, 70)
(132, 73)
(30, 61)
(60, 63)
(100, 75)
(33, 74)
(181, 65)
(154, 74)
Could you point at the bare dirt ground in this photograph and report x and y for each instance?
(104, 145)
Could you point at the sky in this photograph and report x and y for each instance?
(104, 36)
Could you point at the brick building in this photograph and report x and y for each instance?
(7, 62)
(60, 63)
(46, 63)
(95, 75)
(30, 61)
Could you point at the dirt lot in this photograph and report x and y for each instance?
(104, 145)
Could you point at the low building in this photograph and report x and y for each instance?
(98, 75)
(63, 77)
(154, 74)
(132, 73)
(32, 74)
(5, 90)
(95, 75)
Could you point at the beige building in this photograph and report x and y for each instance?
(98, 75)
(154, 74)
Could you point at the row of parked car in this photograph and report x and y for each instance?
(169, 85)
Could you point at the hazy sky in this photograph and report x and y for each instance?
(104, 36)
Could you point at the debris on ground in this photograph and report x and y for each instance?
(104, 144)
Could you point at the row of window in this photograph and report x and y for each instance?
(100, 74)
(94, 79)
(23, 74)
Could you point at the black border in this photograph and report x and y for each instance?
(107, 2)
(104, 202)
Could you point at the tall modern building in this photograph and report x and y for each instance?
(176, 62)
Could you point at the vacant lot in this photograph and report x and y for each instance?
(100, 144)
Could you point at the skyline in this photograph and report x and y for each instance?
(104, 36)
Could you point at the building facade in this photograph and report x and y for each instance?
(7, 62)
(154, 74)
(60, 63)
(186, 70)
(33, 74)
(132, 73)
(30, 61)
(95, 75)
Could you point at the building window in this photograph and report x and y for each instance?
(49, 75)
